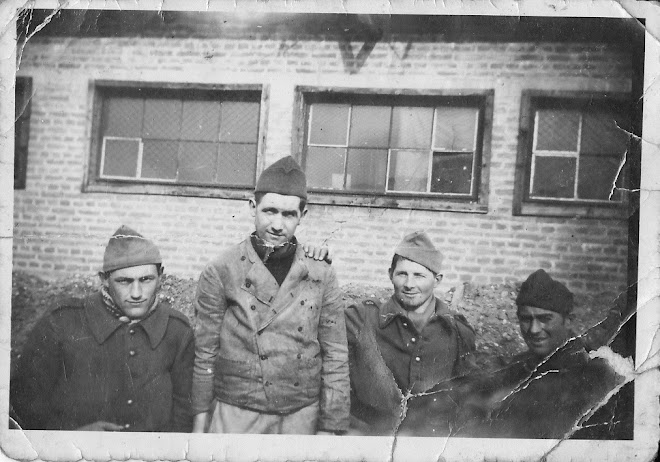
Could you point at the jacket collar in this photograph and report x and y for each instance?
(103, 324)
(391, 310)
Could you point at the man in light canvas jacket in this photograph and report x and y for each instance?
(271, 354)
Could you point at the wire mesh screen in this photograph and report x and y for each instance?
(577, 155)
(181, 138)
(557, 130)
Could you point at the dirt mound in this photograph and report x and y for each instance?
(490, 309)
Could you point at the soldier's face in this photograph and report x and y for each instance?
(276, 217)
(134, 289)
(543, 330)
(413, 284)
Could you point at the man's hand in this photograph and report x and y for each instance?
(317, 253)
(101, 426)
(200, 422)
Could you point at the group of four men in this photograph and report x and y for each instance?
(275, 351)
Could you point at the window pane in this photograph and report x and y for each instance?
(411, 127)
(557, 130)
(120, 158)
(554, 177)
(370, 126)
(366, 169)
(159, 159)
(201, 120)
(328, 124)
(237, 164)
(600, 135)
(408, 171)
(325, 167)
(596, 176)
(239, 122)
(162, 119)
(452, 172)
(197, 162)
(455, 129)
(123, 117)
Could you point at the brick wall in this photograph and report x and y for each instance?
(59, 230)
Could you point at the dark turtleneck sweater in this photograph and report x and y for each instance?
(277, 259)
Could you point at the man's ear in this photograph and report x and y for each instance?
(438, 280)
(253, 207)
(568, 319)
(104, 278)
(304, 212)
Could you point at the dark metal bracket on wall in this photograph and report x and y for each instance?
(371, 32)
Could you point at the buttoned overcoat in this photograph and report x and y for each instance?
(81, 364)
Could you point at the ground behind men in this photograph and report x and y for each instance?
(490, 309)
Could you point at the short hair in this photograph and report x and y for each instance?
(159, 270)
(397, 258)
(260, 194)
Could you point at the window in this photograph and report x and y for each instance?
(574, 149)
(181, 136)
(23, 104)
(394, 145)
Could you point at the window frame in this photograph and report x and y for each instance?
(93, 182)
(526, 205)
(477, 202)
(22, 129)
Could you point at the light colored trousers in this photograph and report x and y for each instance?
(231, 419)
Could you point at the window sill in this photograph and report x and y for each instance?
(398, 202)
(350, 200)
(117, 187)
(597, 211)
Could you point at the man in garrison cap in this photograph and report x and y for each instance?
(409, 345)
(549, 390)
(118, 360)
(271, 353)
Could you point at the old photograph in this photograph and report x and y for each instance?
(287, 231)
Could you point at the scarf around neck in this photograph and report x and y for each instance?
(114, 310)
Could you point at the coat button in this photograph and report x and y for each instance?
(413, 339)
(302, 302)
(404, 324)
(418, 359)
(300, 329)
(247, 283)
(263, 357)
(127, 426)
(267, 383)
(129, 402)
(132, 331)
(295, 384)
(132, 353)
(298, 356)
(243, 258)
(253, 307)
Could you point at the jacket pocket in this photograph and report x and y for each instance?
(236, 381)
(310, 373)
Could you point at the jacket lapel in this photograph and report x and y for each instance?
(258, 280)
(289, 291)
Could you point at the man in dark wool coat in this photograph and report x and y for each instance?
(405, 347)
(552, 389)
(118, 360)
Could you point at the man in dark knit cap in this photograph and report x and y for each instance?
(271, 353)
(409, 345)
(118, 360)
(549, 390)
